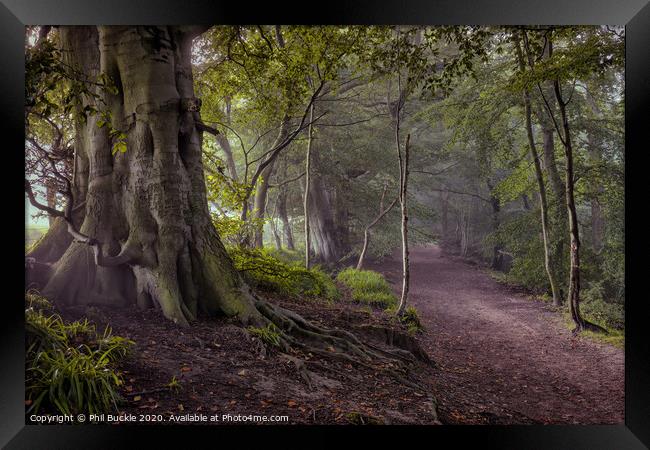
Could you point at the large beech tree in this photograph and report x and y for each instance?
(136, 229)
(143, 231)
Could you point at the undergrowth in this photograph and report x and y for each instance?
(69, 367)
(593, 307)
(264, 271)
(411, 319)
(368, 287)
(269, 334)
(613, 337)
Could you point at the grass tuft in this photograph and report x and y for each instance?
(368, 287)
(269, 334)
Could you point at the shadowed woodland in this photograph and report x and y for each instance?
(340, 224)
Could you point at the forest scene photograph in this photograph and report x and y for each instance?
(324, 225)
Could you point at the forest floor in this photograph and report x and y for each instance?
(497, 357)
(222, 369)
(502, 357)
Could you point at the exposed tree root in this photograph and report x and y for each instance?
(589, 326)
(298, 333)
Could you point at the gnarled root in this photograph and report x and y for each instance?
(298, 333)
(589, 326)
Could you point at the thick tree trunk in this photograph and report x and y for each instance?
(147, 207)
(323, 229)
(341, 221)
(50, 193)
(284, 218)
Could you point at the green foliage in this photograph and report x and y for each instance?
(368, 287)
(69, 367)
(596, 309)
(286, 255)
(521, 235)
(264, 271)
(411, 319)
(268, 334)
(613, 336)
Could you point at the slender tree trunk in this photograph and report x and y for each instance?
(259, 204)
(597, 217)
(366, 231)
(558, 220)
(497, 256)
(404, 173)
(464, 233)
(574, 271)
(306, 200)
(276, 235)
(541, 187)
(444, 207)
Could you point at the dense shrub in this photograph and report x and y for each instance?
(264, 271)
(368, 286)
(596, 309)
(69, 367)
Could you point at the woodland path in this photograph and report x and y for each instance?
(502, 357)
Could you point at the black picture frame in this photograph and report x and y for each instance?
(634, 14)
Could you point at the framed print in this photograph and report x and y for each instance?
(414, 216)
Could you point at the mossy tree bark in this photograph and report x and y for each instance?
(145, 209)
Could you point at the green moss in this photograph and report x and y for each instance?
(263, 271)
(368, 287)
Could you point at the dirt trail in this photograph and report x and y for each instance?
(503, 358)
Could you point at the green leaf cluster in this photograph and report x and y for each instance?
(69, 367)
